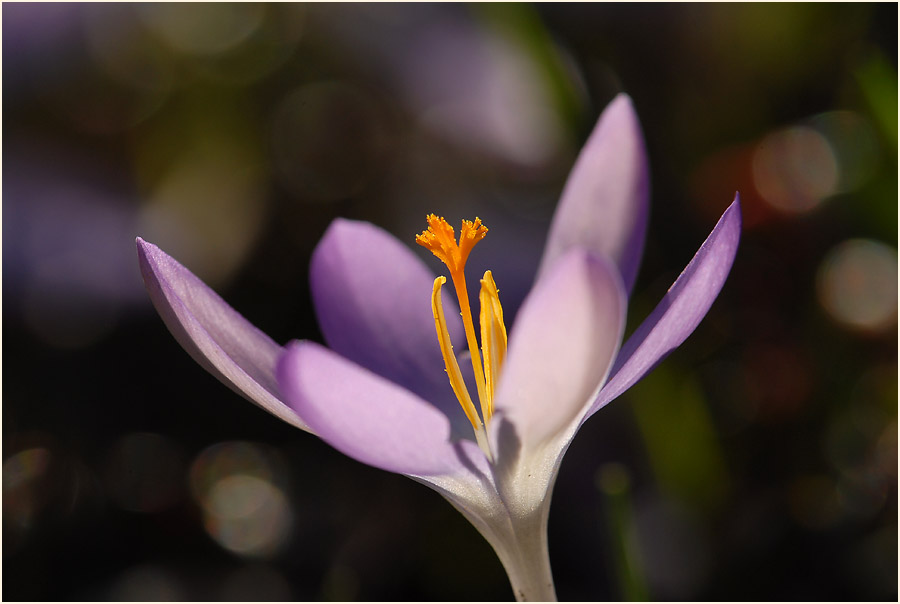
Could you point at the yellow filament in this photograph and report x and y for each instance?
(493, 336)
(462, 294)
(453, 372)
(439, 239)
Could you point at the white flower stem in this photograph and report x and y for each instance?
(527, 560)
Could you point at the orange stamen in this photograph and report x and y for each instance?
(440, 240)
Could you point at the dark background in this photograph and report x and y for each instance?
(758, 462)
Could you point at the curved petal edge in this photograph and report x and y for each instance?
(368, 417)
(606, 200)
(221, 340)
(371, 296)
(681, 309)
(561, 348)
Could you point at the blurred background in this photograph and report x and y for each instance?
(759, 461)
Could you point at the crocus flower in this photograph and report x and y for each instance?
(379, 392)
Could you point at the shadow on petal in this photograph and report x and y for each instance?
(507, 450)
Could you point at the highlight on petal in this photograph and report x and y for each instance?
(214, 334)
(561, 347)
(605, 203)
(371, 294)
(681, 309)
(368, 417)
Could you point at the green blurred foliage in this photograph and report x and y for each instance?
(680, 437)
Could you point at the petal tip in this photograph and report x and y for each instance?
(146, 260)
(622, 99)
(340, 226)
(732, 217)
(148, 253)
(340, 230)
(142, 246)
(621, 107)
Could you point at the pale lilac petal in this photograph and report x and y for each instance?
(605, 203)
(372, 297)
(680, 311)
(562, 344)
(213, 333)
(368, 417)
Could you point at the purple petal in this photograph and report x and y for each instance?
(372, 298)
(605, 203)
(680, 311)
(368, 417)
(562, 344)
(214, 334)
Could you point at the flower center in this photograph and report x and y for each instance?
(440, 239)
